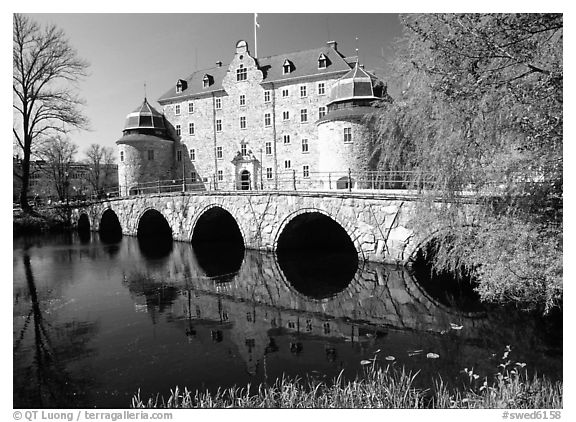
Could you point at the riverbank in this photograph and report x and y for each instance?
(388, 388)
(41, 220)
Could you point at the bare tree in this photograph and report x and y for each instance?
(100, 160)
(45, 68)
(59, 156)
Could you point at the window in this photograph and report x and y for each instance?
(218, 152)
(285, 93)
(242, 100)
(243, 122)
(218, 103)
(192, 155)
(190, 107)
(121, 155)
(287, 164)
(347, 134)
(178, 130)
(207, 81)
(150, 154)
(218, 125)
(193, 176)
(303, 91)
(266, 96)
(268, 146)
(267, 119)
(179, 155)
(286, 139)
(287, 67)
(303, 115)
(286, 115)
(241, 73)
(321, 112)
(220, 175)
(321, 88)
(177, 109)
(268, 173)
(322, 61)
(304, 145)
(305, 172)
(243, 150)
(191, 128)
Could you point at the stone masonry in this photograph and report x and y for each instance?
(379, 228)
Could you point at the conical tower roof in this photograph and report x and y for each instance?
(354, 85)
(145, 117)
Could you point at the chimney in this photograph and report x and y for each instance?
(219, 63)
(361, 66)
(333, 44)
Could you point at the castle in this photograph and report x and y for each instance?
(258, 123)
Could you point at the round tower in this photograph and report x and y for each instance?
(146, 149)
(343, 137)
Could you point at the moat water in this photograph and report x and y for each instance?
(95, 321)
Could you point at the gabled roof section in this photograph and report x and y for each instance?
(304, 64)
(196, 84)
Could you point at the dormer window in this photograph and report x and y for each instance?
(322, 61)
(241, 73)
(207, 80)
(181, 85)
(287, 67)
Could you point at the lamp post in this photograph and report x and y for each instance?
(66, 186)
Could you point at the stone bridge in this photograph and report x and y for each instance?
(377, 226)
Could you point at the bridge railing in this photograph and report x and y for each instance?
(340, 181)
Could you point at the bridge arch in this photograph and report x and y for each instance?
(218, 212)
(345, 226)
(152, 223)
(84, 223)
(109, 226)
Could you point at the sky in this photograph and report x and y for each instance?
(127, 51)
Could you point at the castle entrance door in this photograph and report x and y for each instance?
(245, 180)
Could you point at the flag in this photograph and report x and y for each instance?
(256, 20)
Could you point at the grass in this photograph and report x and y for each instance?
(389, 388)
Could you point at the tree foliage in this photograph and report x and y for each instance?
(45, 68)
(480, 114)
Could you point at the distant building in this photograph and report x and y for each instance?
(41, 184)
(255, 123)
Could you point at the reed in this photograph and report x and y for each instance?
(387, 387)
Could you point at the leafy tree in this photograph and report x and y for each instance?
(45, 67)
(100, 160)
(480, 115)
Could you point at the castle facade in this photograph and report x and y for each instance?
(258, 123)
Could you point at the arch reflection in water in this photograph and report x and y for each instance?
(218, 244)
(154, 235)
(455, 292)
(265, 321)
(316, 255)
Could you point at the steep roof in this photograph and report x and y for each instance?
(357, 84)
(304, 64)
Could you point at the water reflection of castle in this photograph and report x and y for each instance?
(259, 306)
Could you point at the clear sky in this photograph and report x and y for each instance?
(127, 50)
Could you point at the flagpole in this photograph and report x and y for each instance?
(255, 35)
